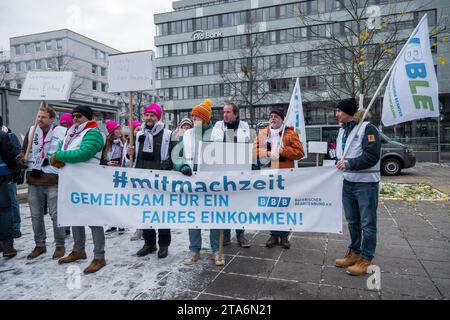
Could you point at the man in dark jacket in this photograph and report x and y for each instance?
(361, 146)
(12, 186)
(9, 169)
(152, 151)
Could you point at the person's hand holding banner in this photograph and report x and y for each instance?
(186, 170)
(56, 163)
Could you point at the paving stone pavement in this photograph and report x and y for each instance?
(413, 254)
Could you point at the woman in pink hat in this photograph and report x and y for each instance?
(65, 120)
(112, 153)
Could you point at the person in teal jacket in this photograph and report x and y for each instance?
(83, 143)
(184, 157)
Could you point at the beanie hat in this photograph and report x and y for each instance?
(186, 121)
(135, 124)
(84, 110)
(154, 108)
(348, 106)
(65, 120)
(203, 110)
(277, 111)
(111, 126)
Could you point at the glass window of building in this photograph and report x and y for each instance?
(59, 44)
(49, 45)
(103, 71)
(94, 69)
(29, 48)
(18, 67)
(17, 50)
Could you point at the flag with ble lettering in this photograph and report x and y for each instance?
(295, 117)
(412, 90)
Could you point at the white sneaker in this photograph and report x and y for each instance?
(137, 235)
(217, 260)
(192, 258)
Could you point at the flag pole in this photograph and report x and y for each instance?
(382, 83)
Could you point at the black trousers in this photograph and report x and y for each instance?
(164, 237)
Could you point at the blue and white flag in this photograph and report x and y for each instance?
(295, 116)
(412, 90)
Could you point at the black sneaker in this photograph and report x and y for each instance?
(145, 250)
(163, 252)
(17, 234)
(112, 229)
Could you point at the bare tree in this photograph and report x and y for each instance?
(248, 76)
(140, 99)
(4, 69)
(63, 62)
(358, 46)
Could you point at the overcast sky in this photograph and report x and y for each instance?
(126, 25)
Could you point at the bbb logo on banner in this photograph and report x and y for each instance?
(276, 202)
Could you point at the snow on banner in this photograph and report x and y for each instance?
(412, 90)
(302, 200)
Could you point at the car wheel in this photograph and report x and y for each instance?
(391, 167)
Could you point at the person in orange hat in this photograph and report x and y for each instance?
(184, 160)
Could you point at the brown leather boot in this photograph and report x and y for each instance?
(73, 256)
(349, 259)
(359, 268)
(273, 241)
(9, 252)
(37, 251)
(59, 252)
(95, 265)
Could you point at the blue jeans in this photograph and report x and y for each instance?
(279, 233)
(12, 187)
(360, 200)
(195, 239)
(227, 233)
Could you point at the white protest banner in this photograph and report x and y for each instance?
(412, 90)
(295, 116)
(47, 86)
(303, 200)
(129, 72)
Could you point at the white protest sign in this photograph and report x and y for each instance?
(302, 200)
(317, 147)
(131, 72)
(47, 86)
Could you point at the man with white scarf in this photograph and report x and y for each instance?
(42, 179)
(152, 151)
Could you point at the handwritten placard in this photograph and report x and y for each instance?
(131, 72)
(47, 86)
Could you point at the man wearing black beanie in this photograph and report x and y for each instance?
(84, 110)
(361, 171)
